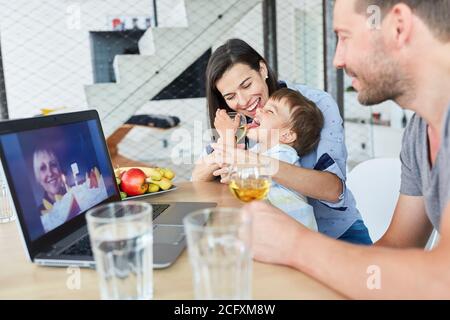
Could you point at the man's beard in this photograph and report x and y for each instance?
(382, 80)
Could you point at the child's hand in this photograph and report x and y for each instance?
(226, 127)
(223, 172)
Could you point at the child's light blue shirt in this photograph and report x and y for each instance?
(287, 200)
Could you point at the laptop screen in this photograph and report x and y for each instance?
(57, 173)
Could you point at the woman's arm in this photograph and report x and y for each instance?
(286, 169)
(321, 185)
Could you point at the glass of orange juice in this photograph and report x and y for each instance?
(250, 181)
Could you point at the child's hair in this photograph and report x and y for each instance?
(306, 119)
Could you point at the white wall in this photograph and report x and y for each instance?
(285, 39)
(300, 41)
(46, 48)
(308, 60)
(172, 13)
(248, 29)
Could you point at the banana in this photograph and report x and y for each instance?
(117, 172)
(152, 173)
(164, 183)
(153, 187)
(169, 174)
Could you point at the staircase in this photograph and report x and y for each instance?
(164, 54)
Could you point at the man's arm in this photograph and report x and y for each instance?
(410, 226)
(355, 271)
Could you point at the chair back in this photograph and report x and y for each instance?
(375, 185)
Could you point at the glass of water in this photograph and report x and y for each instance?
(7, 211)
(122, 242)
(219, 246)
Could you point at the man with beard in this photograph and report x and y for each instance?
(405, 58)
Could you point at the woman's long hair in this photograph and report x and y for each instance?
(223, 58)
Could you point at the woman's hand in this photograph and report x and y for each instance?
(224, 168)
(227, 127)
(224, 154)
(227, 154)
(204, 168)
(223, 172)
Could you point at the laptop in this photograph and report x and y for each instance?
(58, 167)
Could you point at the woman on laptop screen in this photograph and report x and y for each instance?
(60, 201)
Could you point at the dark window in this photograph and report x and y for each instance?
(106, 45)
(190, 84)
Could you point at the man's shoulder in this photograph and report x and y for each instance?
(414, 152)
(445, 143)
(446, 128)
(413, 130)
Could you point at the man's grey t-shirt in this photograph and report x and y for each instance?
(418, 177)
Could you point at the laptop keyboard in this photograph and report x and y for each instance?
(83, 246)
(158, 209)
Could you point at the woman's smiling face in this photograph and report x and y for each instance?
(48, 172)
(244, 89)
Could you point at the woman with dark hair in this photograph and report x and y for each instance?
(239, 79)
(235, 52)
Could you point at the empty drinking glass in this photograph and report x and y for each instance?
(122, 241)
(219, 246)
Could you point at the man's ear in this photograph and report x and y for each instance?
(288, 137)
(263, 70)
(401, 23)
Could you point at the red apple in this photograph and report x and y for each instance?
(133, 182)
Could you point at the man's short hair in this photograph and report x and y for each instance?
(434, 13)
(306, 119)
